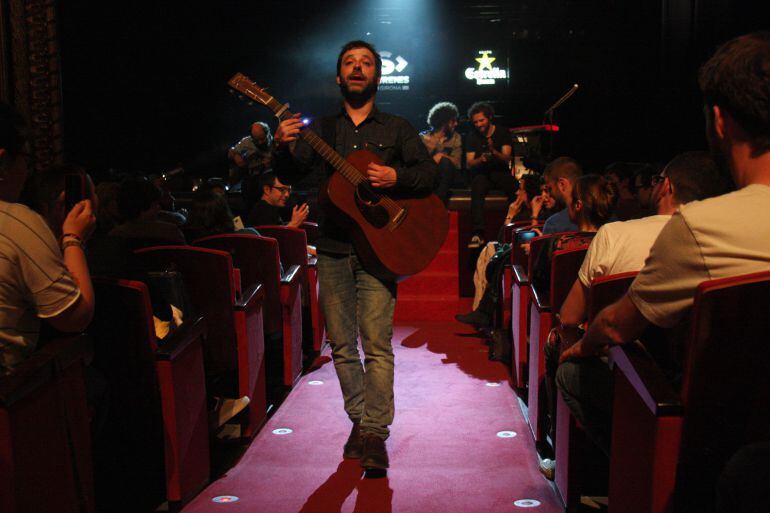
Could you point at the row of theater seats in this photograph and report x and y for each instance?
(246, 292)
(668, 446)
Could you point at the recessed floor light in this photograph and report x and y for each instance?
(315, 383)
(506, 434)
(527, 503)
(493, 384)
(283, 431)
(225, 499)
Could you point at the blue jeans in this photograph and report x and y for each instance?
(354, 301)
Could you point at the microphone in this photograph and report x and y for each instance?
(562, 99)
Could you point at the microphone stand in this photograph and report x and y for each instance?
(548, 116)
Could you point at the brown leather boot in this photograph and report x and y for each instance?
(354, 447)
(375, 454)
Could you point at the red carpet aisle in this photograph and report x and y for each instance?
(446, 455)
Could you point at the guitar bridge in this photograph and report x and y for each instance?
(397, 219)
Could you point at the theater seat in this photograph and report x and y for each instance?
(669, 447)
(45, 439)
(234, 347)
(564, 269)
(258, 259)
(519, 307)
(293, 248)
(158, 424)
(574, 452)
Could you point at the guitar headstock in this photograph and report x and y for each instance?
(247, 87)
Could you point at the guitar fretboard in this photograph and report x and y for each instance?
(319, 145)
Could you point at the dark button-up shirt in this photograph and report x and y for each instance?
(390, 137)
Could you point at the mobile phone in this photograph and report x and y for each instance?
(74, 190)
(526, 236)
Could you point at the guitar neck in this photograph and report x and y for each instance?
(319, 145)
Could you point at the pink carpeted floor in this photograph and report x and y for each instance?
(445, 452)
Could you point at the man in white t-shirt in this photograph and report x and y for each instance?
(624, 246)
(719, 237)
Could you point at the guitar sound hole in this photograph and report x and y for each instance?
(368, 201)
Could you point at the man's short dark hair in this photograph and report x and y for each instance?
(360, 44)
(532, 183)
(695, 175)
(266, 180)
(563, 167)
(136, 195)
(483, 107)
(441, 114)
(737, 79)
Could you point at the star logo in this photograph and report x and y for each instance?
(485, 61)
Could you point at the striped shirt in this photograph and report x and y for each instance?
(34, 282)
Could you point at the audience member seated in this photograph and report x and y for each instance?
(720, 237)
(593, 201)
(622, 175)
(592, 205)
(528, 206)
(643, 187)
(623, 247)
(43, 278)
(267, 211)
(488, 151)
(139, 206)
(210, 215)
(445, 146)
(107, 214)
(560, 175)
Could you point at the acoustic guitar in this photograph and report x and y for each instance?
(394, 235)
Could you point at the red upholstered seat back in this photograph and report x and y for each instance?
(208, 279)
(258, 258)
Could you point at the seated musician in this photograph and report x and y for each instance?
(719, 237)
(444, 145)
(489, 150)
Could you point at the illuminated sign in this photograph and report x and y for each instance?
(486, 73)
(392, 77)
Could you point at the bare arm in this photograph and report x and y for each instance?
(505, 155)
(573, 311)
(619, 323)
(80, 223)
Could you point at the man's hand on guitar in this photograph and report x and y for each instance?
(381, 176)
(288, 130)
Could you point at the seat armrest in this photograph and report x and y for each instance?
(178, 341)
(647, 379)
(290, 276)
(253, 293)
(520, 275)
(540, 302)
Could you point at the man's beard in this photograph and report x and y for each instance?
(358, 97)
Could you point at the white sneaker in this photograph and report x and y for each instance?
(476, 242)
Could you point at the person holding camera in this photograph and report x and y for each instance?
(488, 152)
